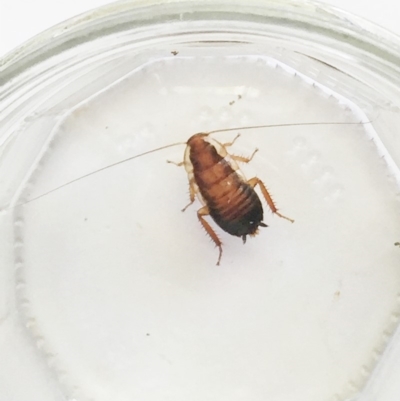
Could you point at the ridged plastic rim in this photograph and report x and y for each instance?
(121, 15)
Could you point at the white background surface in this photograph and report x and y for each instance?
(20, 19)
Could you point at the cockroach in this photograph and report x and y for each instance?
(216, 180)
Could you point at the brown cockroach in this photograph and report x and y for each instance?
(216, 180)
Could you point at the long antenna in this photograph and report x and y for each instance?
(283, 125)
(250, 127)
(100, 169)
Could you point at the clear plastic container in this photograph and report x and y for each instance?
(109, 291)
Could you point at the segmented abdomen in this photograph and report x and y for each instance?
(232, 203)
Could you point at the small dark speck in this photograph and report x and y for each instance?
(239, 97)
(337, 294)
(231, 103)
(85, 218)
(106, 126)
(174, 52)
(397, 243)
(147, 334)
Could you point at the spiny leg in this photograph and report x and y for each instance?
(243, 159)
(256, 181)
(192, 189)
(205, 212)
(232, 142)
(192, 192)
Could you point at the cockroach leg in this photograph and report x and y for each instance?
(192, 192)
(205, 212)
(227, 144)
(180, 164)
(243, 159)
(190, 203)
(253, 182)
